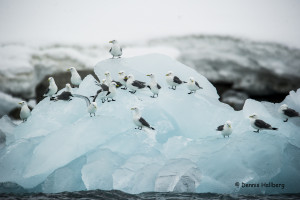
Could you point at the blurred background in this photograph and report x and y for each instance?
(246, 48)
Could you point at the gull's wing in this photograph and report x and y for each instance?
(143, 121)
(139, 84)
(220, 128)
(87, 100)
(196, 83)
(291, 113)
(261, 124)
(177, 80)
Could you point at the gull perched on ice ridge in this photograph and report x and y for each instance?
(193, 85)
(139, 120)
(25, 111)
(91, 106)
(123, 79)
(65, 95)
(75, 77)
(109, 79)
(134, 85)
(102, 92)
(111, 92)
(173, 81)
(259, 124)
(52, 89)
(226, 129)
(287, 112)
(115, 50)
(153, 86)
(107, 92)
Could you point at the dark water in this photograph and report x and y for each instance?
(116, 195)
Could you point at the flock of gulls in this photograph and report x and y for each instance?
(108, 90)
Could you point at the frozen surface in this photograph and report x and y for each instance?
(61, 148)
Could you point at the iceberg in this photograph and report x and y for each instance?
(61, 148)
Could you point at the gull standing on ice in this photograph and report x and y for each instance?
(115, 50)
(111, 91)
(173, 81)
(134, 85)
(259, 124)
(153, 86)
(91, 106)
(102, 92)
(139, 120)
(75, 77)
(65, 95)
(287, 112)
(52, 89)
(226, 129)
(193, 85)
(123, 79)
(106, 93)
(109, 79)
(25, 111)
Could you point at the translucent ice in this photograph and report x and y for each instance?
(61, 147)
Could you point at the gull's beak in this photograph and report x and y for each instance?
(68, 69)
(167, 74)
(132, 109)
(229, 125)
(126, 78)
(48, 79)
(120, 73)
(251, 116)
(148, 75)
(110, 41)
(117, 86)
(20, 103)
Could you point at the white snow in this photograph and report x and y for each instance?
(61, 147)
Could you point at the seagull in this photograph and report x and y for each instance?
(134, 85)
(173, 81)
(259, 124)
(65, 95)
(75, 77)
(153, 86)
(52, 89)
(123, 79)
(112, 92)
(287, 112)
(140, 121)
(92, 106)
(226, 129)
(115, 50)
(102, 92)
(109, 79)
(193, 86)
(107, 92)
(25, 111)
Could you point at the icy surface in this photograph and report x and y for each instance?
(62, 148)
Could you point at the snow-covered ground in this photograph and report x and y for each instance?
(62, 148)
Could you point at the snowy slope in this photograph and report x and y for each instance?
(61, 148)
